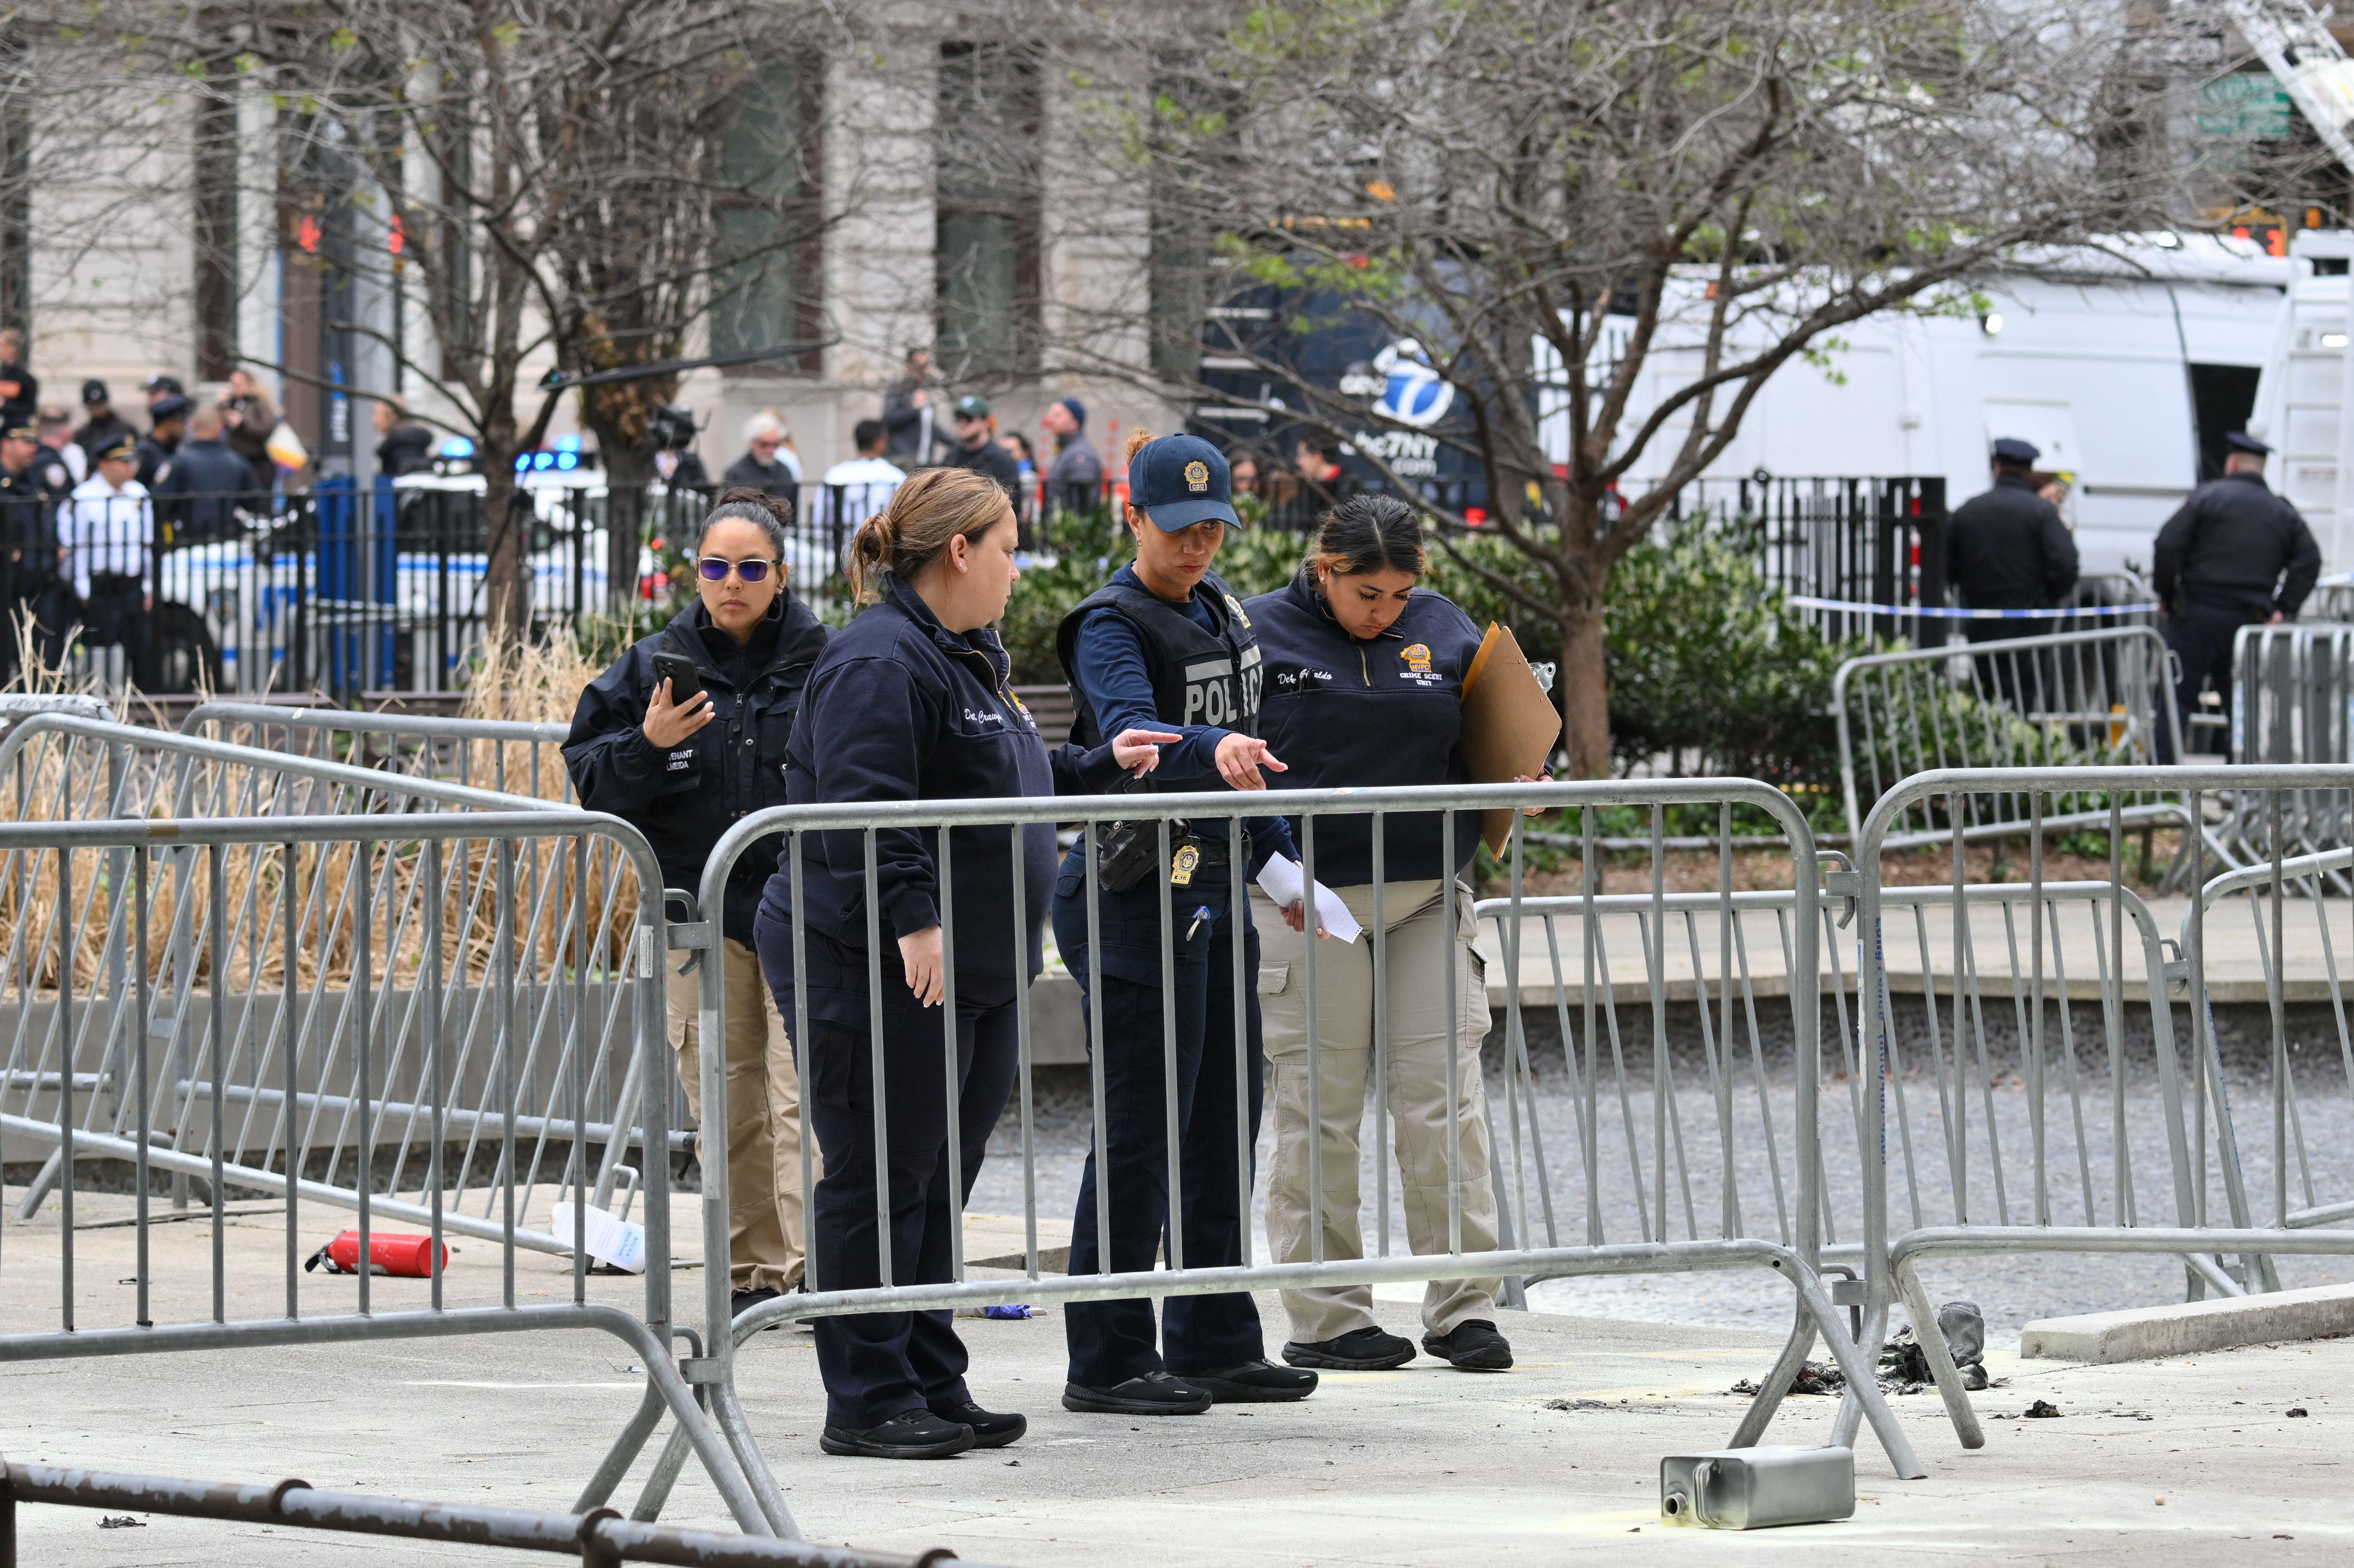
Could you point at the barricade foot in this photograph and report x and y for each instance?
(1942, 1371)
(1864, 1393)
(1771, 1393)
(624, 1452)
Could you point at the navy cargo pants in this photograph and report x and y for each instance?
(1112, 1342)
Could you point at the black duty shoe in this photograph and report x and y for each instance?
(1155, 1394)
(990, 1429)
(1473, 1346)
(1254, 1382)
(1359, 1349)
(742, 1301)
(914, 1435)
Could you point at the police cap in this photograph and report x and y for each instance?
(124, 448)
(2010, 449)
(2241, 441)
(20, 433)
(1179, 480)
(171, 406)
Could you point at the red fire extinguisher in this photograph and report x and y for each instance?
(407, 1257)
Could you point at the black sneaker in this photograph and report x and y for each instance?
(1155, 1394)
(1254, 1382)
(990, 1429)
(1473, 1346)
(742, 1301)
(1359, 1349)
(914, 1435)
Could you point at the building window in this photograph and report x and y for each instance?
(987, 194)
(215, 154)
(765, 260)
(15, 214)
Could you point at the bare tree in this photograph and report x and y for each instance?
(533, 183)
(1551, 195)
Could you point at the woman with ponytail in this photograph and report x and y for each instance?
(683, 762)
(910, 702)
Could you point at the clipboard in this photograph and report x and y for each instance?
(1510, 724)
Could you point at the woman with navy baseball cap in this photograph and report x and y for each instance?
(1165, 645)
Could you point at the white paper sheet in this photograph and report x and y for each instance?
(1281, 880)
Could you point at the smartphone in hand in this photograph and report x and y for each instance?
(684, 684)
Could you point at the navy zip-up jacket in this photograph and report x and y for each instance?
(900, 708)
(682, 800)
(1345, 713)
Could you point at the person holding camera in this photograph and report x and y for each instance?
(1165, 644)
(682, 738)
(910, 702)
(1364, 675)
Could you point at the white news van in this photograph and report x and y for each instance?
(2122, 364)
(2305, 389)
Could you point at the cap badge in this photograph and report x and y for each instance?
(1417, 658)
(1197, 475)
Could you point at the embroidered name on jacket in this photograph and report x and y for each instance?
(679, 761)
(973, 715)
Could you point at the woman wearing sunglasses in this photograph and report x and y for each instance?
(682, 758)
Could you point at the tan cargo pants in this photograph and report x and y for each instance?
(764, 1123)
(1416, 990)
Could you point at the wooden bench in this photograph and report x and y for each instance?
(1051, 708)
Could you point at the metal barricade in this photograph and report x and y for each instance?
(956, 831)
(2038, 1189)
(2067, 699)
(2292, 701)
(411, 980)
(504, 755)
(65, 769)
(2287, 931)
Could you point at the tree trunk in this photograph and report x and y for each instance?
(628, 473)
(1585, 692)
(506, 581)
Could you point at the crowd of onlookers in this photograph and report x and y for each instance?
(922, 427)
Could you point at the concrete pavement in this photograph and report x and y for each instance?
(2150, 1464)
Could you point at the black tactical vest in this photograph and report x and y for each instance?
(1199, 676)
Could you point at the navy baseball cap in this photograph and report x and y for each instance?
(2241, 441)
(1179, 480)
(2011, 449)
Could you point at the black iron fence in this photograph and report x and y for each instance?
(1847, 541)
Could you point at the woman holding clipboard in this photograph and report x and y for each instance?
(1365, 674)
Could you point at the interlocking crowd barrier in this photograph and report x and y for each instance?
(958, 833)
(504, 755)
(2040, 1180)
(62, 767)
(2066, 699)
(2292, 700)
(315, 983)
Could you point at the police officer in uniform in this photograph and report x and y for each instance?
(2008, 549)
(32, 482)
(1165, 645)
(2234, 556)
